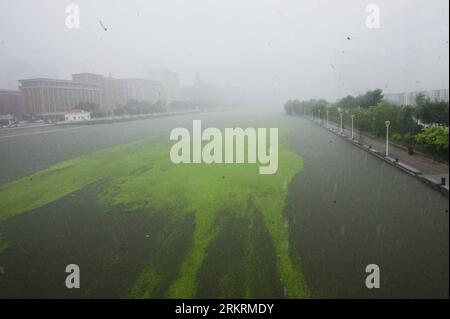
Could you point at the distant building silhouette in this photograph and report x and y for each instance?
(409, 98)
(55, 97)
(11, 102)
(169, 81)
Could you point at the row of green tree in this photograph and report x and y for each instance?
(423, 126)
(134, 107)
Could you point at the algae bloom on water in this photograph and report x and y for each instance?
(233, 146)
(141, 177)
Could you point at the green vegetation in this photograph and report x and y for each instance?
(133, 107)
(140, 175)
(370, 110)
(431, 112)
(3, 244)
(95, 110)
(435, 139)
(346, 104)
(184, 105)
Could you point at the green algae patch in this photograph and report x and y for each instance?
(3, 244)
(140, 175)
(67, 177)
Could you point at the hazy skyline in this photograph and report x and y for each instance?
(274, 50)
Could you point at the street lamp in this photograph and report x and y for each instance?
(327, 118)
(352, 116)
(319, 117)
(387, 137)
(341, 128)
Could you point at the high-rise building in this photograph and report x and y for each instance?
(409, 98)
(437, 95)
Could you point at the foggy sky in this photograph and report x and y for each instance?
(274, 50)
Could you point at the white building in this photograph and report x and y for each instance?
(409, 98)
(77, 115)
(437, 95)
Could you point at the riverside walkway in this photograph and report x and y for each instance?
(432, 172)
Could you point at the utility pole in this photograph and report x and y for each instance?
(352, 116)
(387, 137)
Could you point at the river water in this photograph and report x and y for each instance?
(345, 210)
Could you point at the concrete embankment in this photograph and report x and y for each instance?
(118, 119)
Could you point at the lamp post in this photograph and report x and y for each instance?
(387, 137)
(320, 120)
(341, 128)
(327, 118)
(352, 116)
